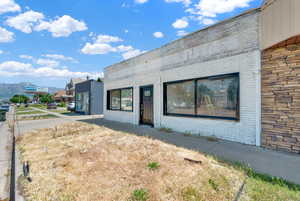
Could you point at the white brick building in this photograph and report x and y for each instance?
(190, 71)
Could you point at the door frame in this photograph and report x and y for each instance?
(140, 103)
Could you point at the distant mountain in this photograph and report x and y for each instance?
(8, 90)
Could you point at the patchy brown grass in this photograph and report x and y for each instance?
(37, 117)
(81, 162)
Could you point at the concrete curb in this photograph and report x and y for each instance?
(5, 160)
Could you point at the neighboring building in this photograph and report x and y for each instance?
(70, 87)
(61, 96)
(238, 80)
(89, 97)
(280, 68)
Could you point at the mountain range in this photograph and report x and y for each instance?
(8, 90)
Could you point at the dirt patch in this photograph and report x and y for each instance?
(77, 161)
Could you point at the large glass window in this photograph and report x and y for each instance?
(120, 99)
(212, 97)
(181, 98)
(115, 100)
(218, 97)
(126, 99)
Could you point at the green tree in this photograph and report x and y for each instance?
(44, 98)
(19, 99)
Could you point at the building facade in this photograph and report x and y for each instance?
(89, 97)
(280, 48)
(207, 83)
(238, 80)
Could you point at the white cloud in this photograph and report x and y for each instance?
(185, 2)
(210, 8)
(47, 62)
(123, 48)
(180, 23)
(23, 56)
(181, 33)
(207, 21)
(103, 45)
(158, 34)
(97, 48)
(6, 36)
(25, 22)
(132, 53)
(1, 52)
(59, 57)
(141, 1)
(108, 39)
(9, 6)
(14, 68)
(62, 27)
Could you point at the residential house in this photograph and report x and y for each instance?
(61, 96)
(70, 87)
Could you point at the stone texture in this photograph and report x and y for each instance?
(281, 96)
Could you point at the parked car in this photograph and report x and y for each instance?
(4, 107)
(71, 106)
(51, 106)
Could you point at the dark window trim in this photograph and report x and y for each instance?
(165, 98)
(108, 104)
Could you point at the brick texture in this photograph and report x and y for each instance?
(281, 96)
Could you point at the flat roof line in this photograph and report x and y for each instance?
(190, 34)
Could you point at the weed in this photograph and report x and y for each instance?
(166, 130)
(191, 194)
(213, 184)
(212, 139)
(153, 165)
(258, 176)
(187, 133)
(139, 195)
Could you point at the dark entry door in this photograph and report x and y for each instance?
(146, 105)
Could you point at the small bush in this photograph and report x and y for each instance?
(139, 195)
(153, 166)
(62, 104)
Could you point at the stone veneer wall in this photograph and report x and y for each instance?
(281, 96)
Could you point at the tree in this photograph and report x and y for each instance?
(44, 98)
(19, 99)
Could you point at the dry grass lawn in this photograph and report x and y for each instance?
(82, 162)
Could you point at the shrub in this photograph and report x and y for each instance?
(139, 195)
(62, 104)
(153, 165)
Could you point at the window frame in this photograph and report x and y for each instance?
(196, 115)
(108, 102)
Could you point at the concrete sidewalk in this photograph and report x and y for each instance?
(283, 165)
(5, 160)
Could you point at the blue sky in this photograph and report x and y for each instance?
(47, 42)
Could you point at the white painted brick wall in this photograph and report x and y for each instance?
(192, 57)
